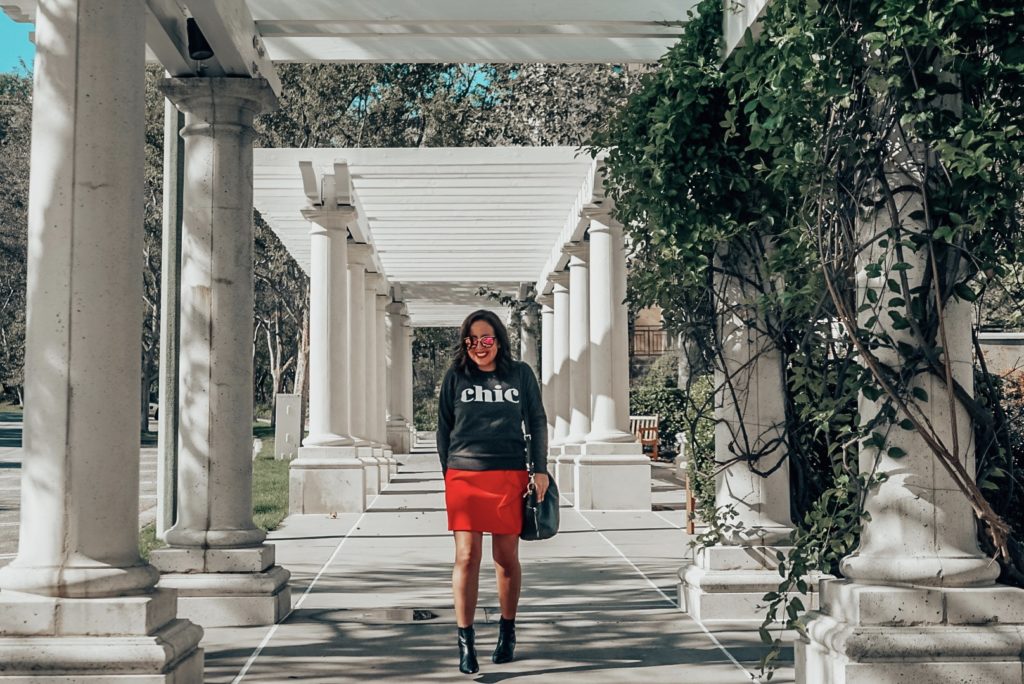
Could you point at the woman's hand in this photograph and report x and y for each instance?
(541, 481)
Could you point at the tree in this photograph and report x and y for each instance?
(15, 136)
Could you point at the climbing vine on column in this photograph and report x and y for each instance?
(903, 116)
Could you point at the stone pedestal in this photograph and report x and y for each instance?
(125, 638)
(226, 587)
(612, 477)
(327, 480)
(373, 460)
(385, 465)
(564, 461)
(287, 426)
(398, 438)
(870, 634)
(78, 604)
(729, 582)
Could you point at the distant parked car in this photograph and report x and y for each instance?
(154, 410)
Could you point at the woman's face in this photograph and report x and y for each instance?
(482, 345)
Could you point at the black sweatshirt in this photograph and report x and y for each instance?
(480, 421)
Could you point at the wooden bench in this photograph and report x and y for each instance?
(645, 428)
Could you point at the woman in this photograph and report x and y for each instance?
(486, 399)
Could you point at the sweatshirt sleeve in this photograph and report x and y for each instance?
(536, 420)
(445, 419)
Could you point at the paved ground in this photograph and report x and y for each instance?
(371, 601)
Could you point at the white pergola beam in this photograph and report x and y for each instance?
(437, 216)
(236, 42)
(499, 50)
(481, 11)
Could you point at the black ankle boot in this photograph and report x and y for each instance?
(505, 650)
(467, 651)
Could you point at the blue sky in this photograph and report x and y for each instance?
(14, 44)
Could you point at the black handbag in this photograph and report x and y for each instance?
(540, 519)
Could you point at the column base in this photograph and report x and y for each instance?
(729, 583)
(888, 634)
(398, 437)
(226, 587)
(132, 639)
(385, 465)
(371, 455)
(612, 477)
(327, 480)
(565, 467)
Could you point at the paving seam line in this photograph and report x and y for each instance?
(273, 628)
(750, 675)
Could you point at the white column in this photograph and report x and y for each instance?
(560, 379)
(358, 254)
(224, 574)
(612, 472)
(578, 378)
(382, 385)
(750, 419)
(370, 390)
(547, 324)
(529, 325)
(579, 348)
(407, 373)
(328, 326)
(170, 315)
(78, 574)
(327, 477)
(398, 426)
(609, 354)
(919, 600)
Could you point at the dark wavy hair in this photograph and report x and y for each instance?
(465, 365)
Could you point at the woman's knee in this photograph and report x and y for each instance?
(505, 551)
(467, 555)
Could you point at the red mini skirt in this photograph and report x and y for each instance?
(485, 500)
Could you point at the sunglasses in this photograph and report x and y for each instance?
(485, 342)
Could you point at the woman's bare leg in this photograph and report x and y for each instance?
(466, 575)
(505, 549)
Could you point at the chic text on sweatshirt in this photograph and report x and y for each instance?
(481, 418)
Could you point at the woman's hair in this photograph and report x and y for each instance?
(465, 365)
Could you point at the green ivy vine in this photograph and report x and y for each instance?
(906, 112)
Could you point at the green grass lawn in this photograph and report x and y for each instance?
(269, 491)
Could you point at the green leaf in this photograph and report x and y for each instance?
(919, 393)
(896, 452)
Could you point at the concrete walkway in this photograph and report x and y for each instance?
(372, 602)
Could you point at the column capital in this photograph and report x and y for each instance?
(331, 219)
(559, 280)
(546, 301)
(579, 250)
(375, 282)
(382, 302)
(397, 309)
(359, 253)
(207, 97)
(602, 213)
